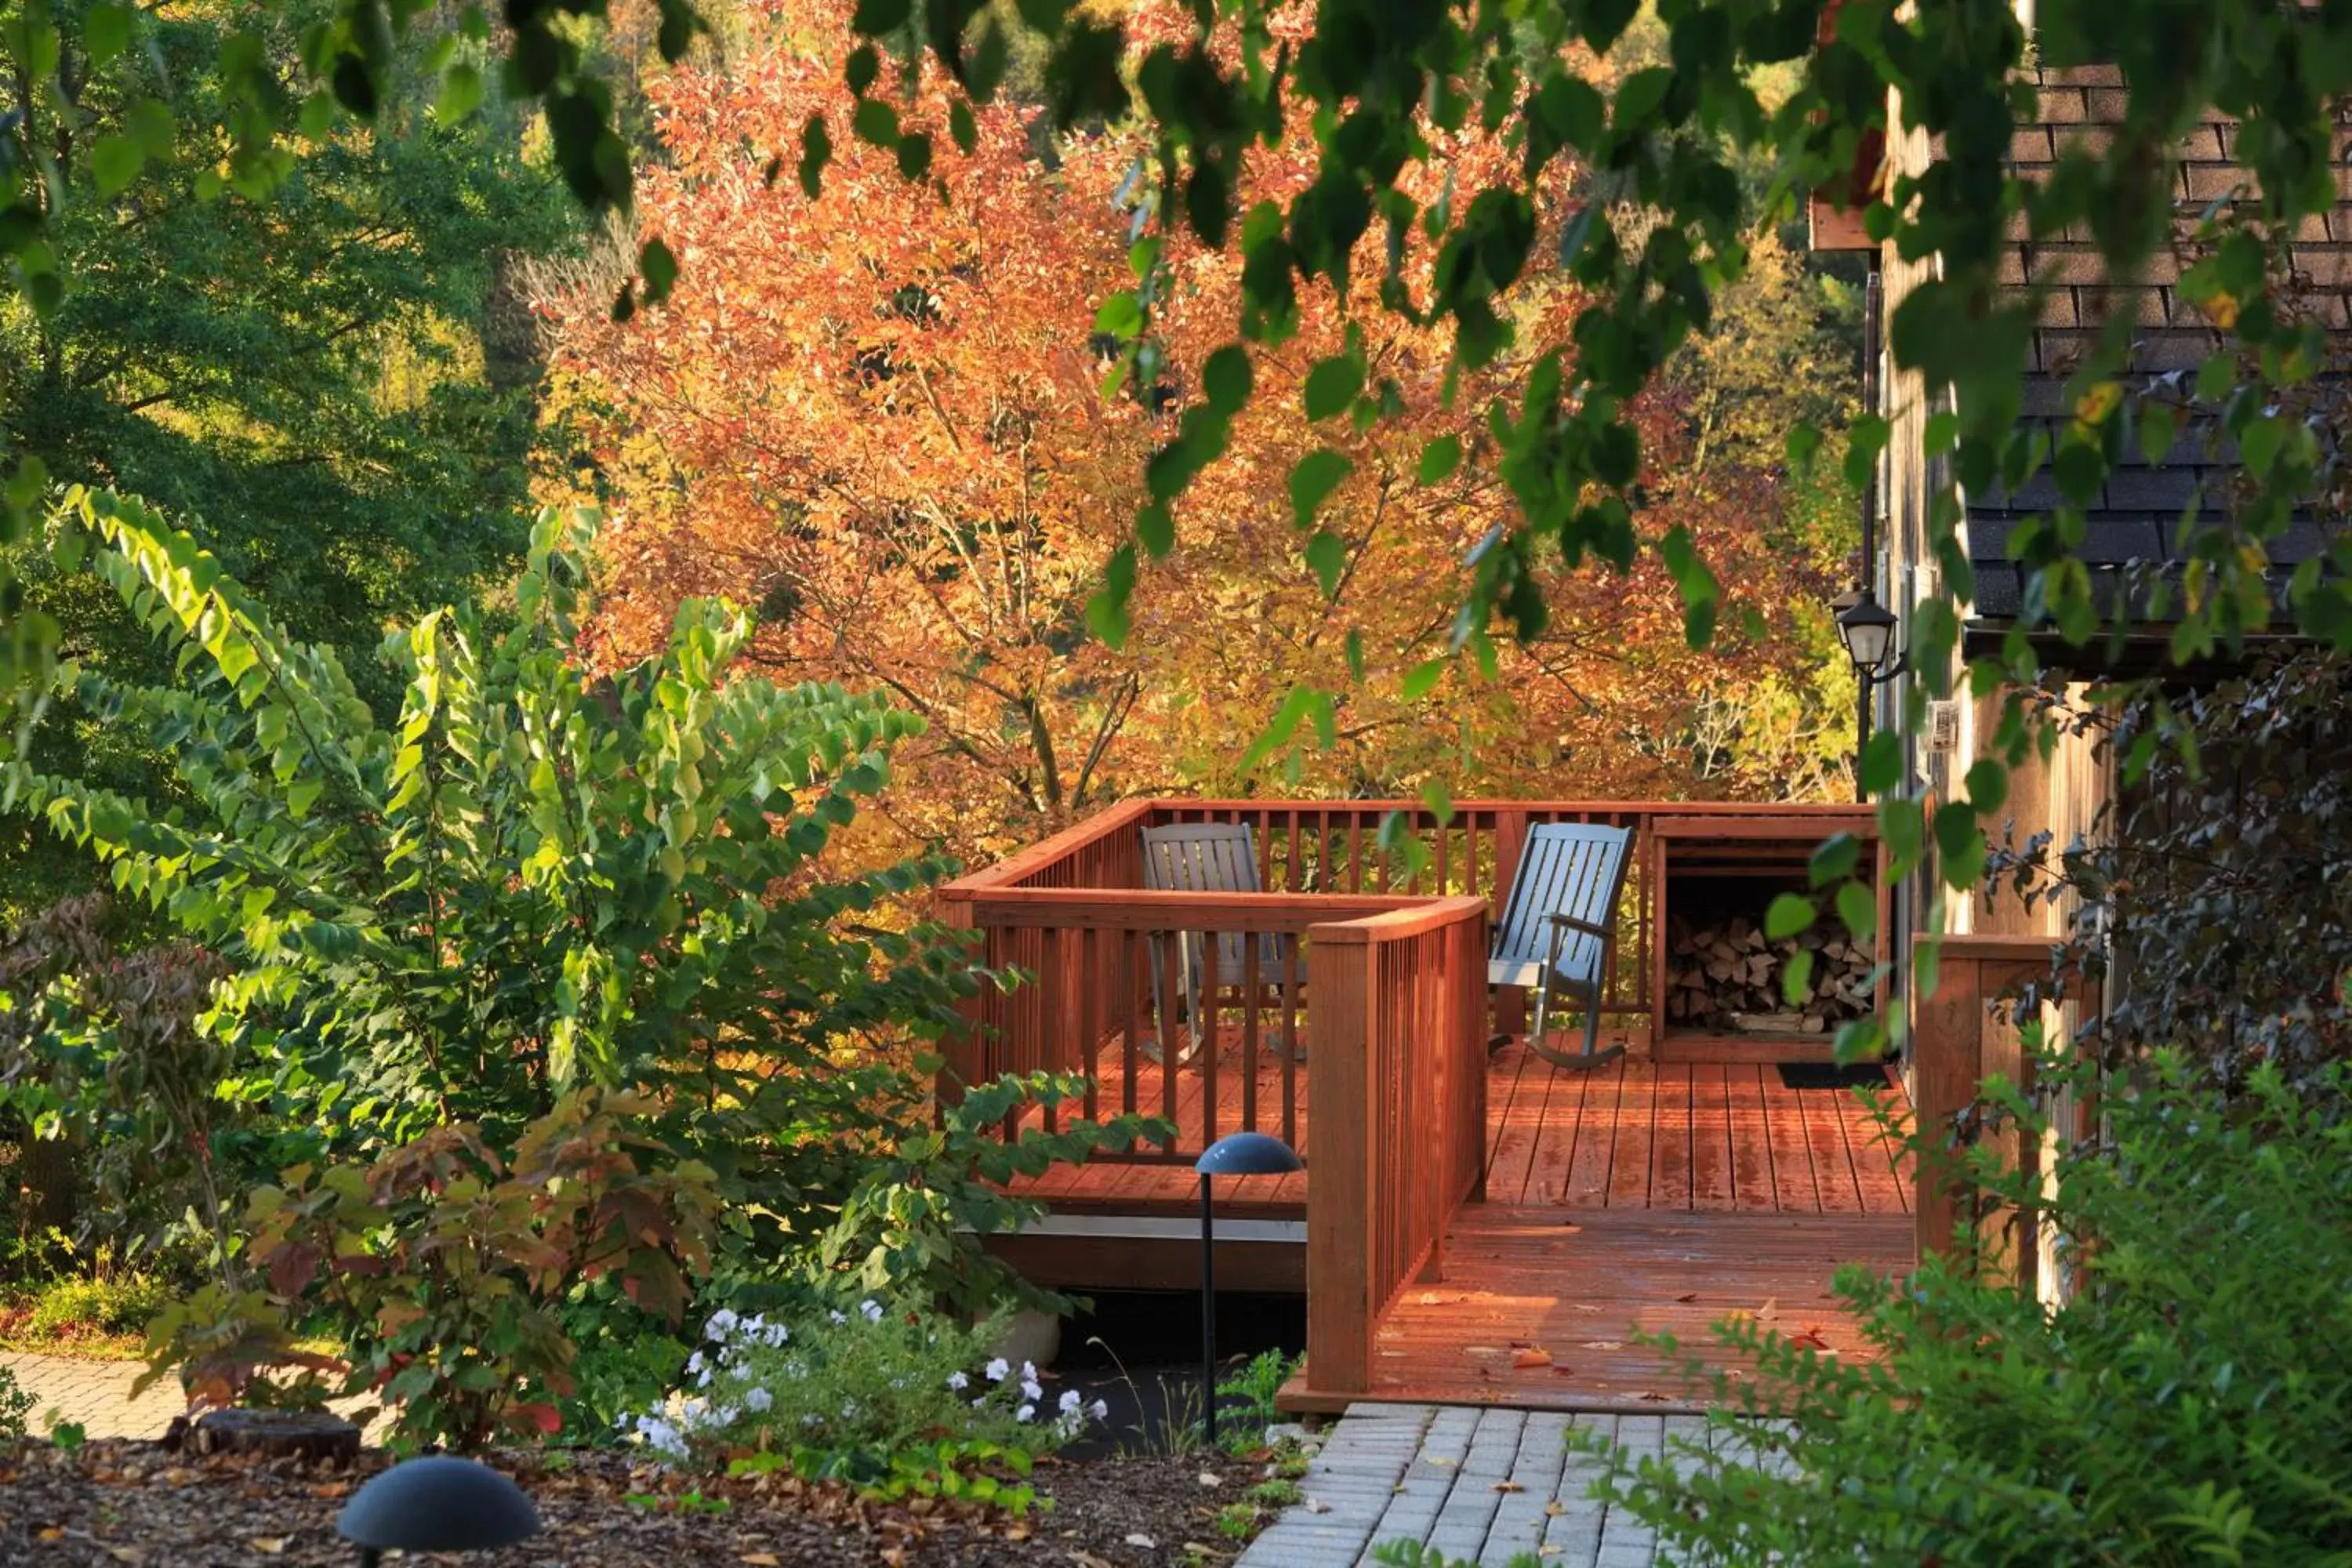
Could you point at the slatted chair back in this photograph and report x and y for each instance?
(1574, 868)
(1207, 857)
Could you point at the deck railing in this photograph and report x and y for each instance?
(1071, 912)
(1398, 1059)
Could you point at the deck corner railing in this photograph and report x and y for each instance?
(1397, 1072)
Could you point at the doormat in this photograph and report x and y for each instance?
(1829, 1075)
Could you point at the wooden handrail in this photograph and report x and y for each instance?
(1154, 908)
(1393, 924)
(1396, 1065)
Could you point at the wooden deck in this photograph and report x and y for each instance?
(1634, 1135)
(1662, 1196)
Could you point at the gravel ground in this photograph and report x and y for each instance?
(114, 1503)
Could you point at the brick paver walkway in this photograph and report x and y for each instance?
(95, 1394)
(1481, 1486)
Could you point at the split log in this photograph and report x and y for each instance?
(312, 1436)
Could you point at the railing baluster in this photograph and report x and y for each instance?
(1135, 948)
(1171, 1055)
(1251, 980)
(1204, 1032)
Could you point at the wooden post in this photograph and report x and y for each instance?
(965, 1049)
(1944, 1054)
(1339, 1304)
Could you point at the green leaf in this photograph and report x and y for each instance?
(1226, 377)
(1833, 860)
(660, 269)
(1439, 459)
(302, 795)
(876, 122)
(1121, 316)
(106, 31)
(1857, 910)
(114, 161)
(1314, 479)
(1421, 680)
(1327, 556)
(1332, 385)
(1788, 914)
(150, 124)
(461, 93)
(1797, 978)
(816, 151)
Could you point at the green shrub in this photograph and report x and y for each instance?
(843, 1390)
(536, 875)
(447, 1271)
(112, 1304)
(2191, 1402)
(15, 1407)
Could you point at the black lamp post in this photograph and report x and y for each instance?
(1867, 630)
(436, 1504)
(1236, 1154)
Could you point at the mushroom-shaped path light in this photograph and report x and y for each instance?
(1235, 1155)
(436, 1504)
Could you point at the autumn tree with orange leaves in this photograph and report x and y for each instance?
(881, 420)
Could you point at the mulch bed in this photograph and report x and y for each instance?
(113, 1502)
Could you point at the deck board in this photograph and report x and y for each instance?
(1525, 1283)
(1629, 1135)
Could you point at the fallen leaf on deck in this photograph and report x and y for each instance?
(1687, 1296)
(1317, 1505)
(268, 1545)
(1534, 1355)
(1508, 1487)
(759, 1560)
(1558, 1371)
(1438, 1459)
(1811, 1339)
(1769, 1310)
(1604, 1344)
(1554, 1509)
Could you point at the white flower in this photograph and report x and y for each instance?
(694, 1362)
(839, 1317)
(704, 1381)
(1032, 1389)
(849, 1410)
(722, 1321)
(999, 1370)
(1099, 1410)
(958, 1381)
(1025, 1413)
(980, 1401)
(811, 1419)
(750, 1328)
(872, 1308)
(775, 1334)
(1028, 1372)
(758, 1399)
(1070, 1400)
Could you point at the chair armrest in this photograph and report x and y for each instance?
(1590, 928)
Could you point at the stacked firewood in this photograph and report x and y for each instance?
(1729, 976)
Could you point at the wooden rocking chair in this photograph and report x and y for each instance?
(1210, 857)
(1559, 931)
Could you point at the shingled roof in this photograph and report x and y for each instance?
(2133, 523)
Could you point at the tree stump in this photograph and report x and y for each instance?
(313, 1437)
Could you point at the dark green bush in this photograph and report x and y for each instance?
(2190, 1402)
